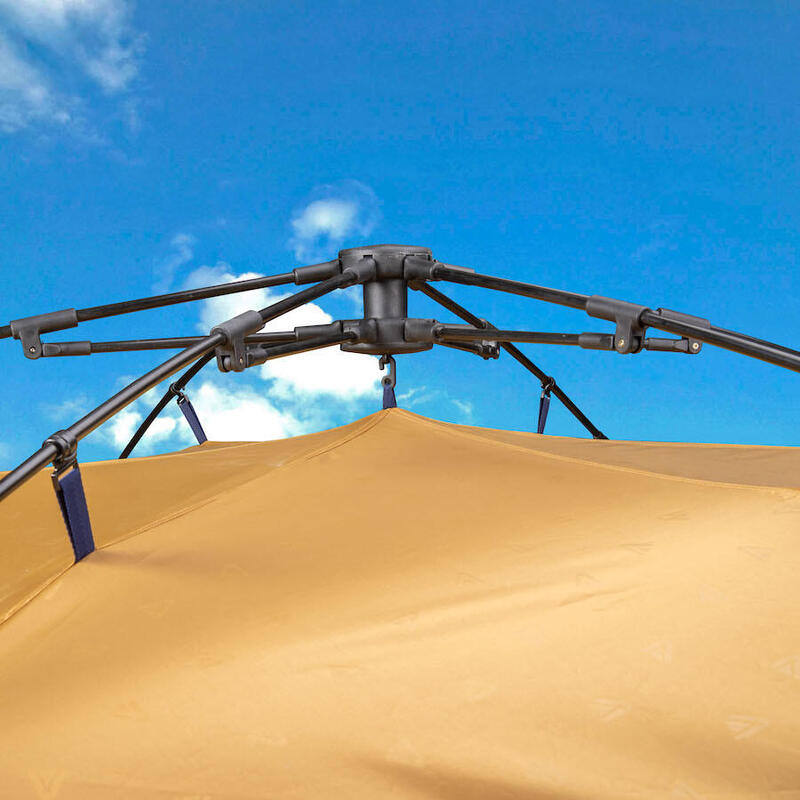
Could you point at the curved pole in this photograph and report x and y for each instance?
(633, 315)
(514, 352)
(64, 443)
(446, 272)
(278, 351)
(728, 340)
(173, 298)
(162, 403)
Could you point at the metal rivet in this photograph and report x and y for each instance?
(31, 349)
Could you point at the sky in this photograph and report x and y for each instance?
(641, 150)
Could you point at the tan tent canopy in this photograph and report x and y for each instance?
(409, 609)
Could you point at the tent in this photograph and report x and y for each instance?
(410, 609)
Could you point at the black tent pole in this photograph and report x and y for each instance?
(513, 351)
(229, 334)
(163, 402)
(173, 298)
(630, 316)
(63, 443)
(59, 349)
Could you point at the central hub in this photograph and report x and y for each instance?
(386, 297)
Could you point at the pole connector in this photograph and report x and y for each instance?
(390, 379)
(232, 356)
(66, 443)
(692, 346)
(29, 329)
(629, 336)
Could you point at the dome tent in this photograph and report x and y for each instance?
(459, 612)
(398, 607)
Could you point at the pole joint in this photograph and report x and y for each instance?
(28, 330)
(66, 444)
(232, 355)
(629, 336)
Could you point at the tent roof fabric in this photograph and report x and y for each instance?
(405, 608)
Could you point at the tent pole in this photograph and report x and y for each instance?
(514, 352)
(630, 317)
(63, 443)
(162, 403)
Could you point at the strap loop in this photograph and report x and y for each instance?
(389, 381)
(72, 502)
(187, 409)
(544, 403)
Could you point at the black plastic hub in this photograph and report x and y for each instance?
(386, 297)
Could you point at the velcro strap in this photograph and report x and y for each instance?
(72, 502)
(544, 407)
(191, 417)
(389, 400)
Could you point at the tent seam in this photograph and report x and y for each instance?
(458, 431)
(373, 420)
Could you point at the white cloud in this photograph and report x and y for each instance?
(69, 410)
(26, 95)
(168, 425)
(46, 44)
(239, 413)
(227, 414)
(122, 426)
(333, 214)
(289, 396)
(323, 372)
(466, 408)
(182, 245)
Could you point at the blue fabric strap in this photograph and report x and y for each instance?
(544, 407)
(191, 417)
(389, 400)
(72, 501)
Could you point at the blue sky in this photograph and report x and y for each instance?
(642, 150)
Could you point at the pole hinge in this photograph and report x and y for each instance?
(28, 330)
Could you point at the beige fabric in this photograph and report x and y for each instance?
(408, 609)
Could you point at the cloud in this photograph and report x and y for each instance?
(182, 245)
(240, 413)
(48, 47)
(333, 214)
(227, 414)
(168, 425)
(466, 408)
(285, 397)
(417, 396)
(26, 95)
(69, 410)
(330, 371)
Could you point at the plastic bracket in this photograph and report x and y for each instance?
(232, 356)
(28, 330)
(629, 336)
